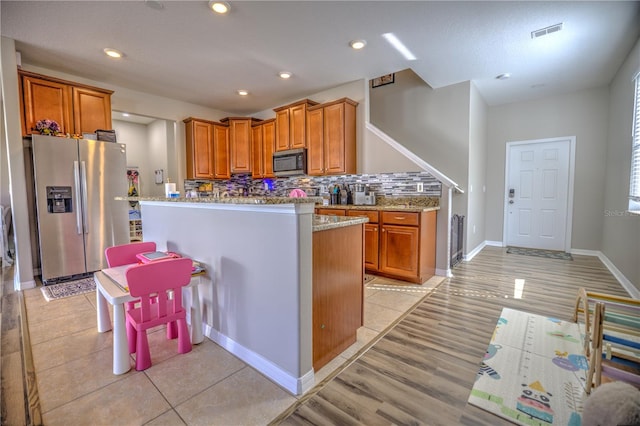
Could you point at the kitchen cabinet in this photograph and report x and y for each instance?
(262, 140)
(199, 146)
(331, 138)
(397, 244)
(407, 245)
(221, 163)
(207, 146)
(331, 212)
(291, 125)
(371, 238)
(76, 108)
(240, 143)
(338, 292)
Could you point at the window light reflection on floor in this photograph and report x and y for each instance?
(518, 288)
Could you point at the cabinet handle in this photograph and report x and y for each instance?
(399, 217)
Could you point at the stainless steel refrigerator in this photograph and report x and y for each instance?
(76, 181)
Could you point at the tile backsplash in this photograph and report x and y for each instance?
(389, 185)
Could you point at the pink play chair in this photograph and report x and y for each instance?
(157, 280)
(125, 254)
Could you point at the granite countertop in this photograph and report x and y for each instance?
(388, 207)
(323, 222)
(229, 200)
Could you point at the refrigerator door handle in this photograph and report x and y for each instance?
(85, 216)
(76, 178)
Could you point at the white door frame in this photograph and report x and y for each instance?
(572, 163)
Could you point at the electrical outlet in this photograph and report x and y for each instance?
(420, 187)
(323, 188)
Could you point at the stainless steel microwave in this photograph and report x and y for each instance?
(290, 163)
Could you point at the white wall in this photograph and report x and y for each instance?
(621, 231)
(582, 114)
(433, 124)
(475, 224)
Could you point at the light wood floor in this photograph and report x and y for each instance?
(422, 371)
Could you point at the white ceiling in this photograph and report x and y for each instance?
(185, 52)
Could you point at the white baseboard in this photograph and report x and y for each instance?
(467, 257)
(444, 273)
(292, 384)
(624, 282)
(494, 243)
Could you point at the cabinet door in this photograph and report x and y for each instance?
(45, 100)
(282, 130)
(297, 130)
(340, 138)
(199, 150)
(257, 168)
(221, 152)
(240, 142)
(268, 144)
(91, 110)
(399, 250)
(315, 148)
(371, 241)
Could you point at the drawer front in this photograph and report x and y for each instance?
(371, 214)
(401, 218)
(331, 212)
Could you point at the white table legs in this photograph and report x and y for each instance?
(104, 322)
(121, 360)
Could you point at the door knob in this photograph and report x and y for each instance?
(510, 201)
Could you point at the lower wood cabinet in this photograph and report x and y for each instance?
(408, 245)
(371, 238)
(338, 291)
(397, 244)
(331, 212)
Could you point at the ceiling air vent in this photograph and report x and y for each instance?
(548, 30)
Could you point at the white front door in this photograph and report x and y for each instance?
(538, 193)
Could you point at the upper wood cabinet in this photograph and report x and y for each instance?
(91, 110)
(199, 149)
(291, 125)
(221, 162)
(262, 141)
(240, 143)
(76, 108)
(207, 149)
(331, 135)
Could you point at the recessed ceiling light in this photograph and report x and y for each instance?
(285, 74)
(504, 76)
(242, 92)
(220, 7)
(399, 46)
(125, 114)
(113, 53)
(357, 44)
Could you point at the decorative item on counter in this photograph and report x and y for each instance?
(132, 177)
(169, 189)
(48, 127)
(297, 193)
(344, 197)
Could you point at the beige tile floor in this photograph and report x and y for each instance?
(208, 386)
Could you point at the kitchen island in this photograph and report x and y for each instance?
(257, 299)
